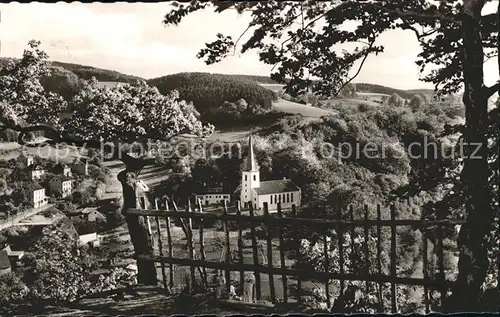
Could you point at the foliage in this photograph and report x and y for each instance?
(55, 259)
(22, 96)
(127, 112)
(208, 91)
(240, 113)
(87, 72)
(395, 100)
(62, 82)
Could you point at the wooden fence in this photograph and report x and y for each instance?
(290, 221)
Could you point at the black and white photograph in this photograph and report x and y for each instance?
(249, 157)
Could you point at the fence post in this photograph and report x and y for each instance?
(227, 273)
(425, 264)
(255, 253)
(170, 250)
(240, 249)
(160, 247)
(269, 243)
(340, 239)
(366, 249)
(299, 261)
(192, 279)
(442, 275)
(202, 246)
(393, 260)
(379, 259)
(282, 255)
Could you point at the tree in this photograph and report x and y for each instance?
(22, 96)
(395, 100)
(416, 102)
(453, 35)
(102, 117)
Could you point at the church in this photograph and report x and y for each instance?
(254, 191)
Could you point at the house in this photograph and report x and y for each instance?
(91, 214)
(36, 172)
(62, 185)
(212, 196)
(256, 192)
(62, 169)
(14, 257)
(5, 267)
(90, 239)
(25, 159)
(81, 166)
(36, 195)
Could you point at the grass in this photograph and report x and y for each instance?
(305, 110)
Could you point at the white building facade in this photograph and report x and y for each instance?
(256, 192)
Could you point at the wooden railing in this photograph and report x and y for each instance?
(288, 220)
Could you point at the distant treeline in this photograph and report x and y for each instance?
(208, 91)
(378, 89)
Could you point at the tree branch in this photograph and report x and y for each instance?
(359, 68)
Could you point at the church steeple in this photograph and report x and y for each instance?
(250, 162)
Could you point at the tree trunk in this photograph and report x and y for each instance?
(473, 261)
(137, 226)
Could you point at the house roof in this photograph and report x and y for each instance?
(63, 178)
(36, 167)
(211, 190)
(250, 163)
(4, 260)
(24, 155)
(32, 186)
(61, 165)
(274, 187)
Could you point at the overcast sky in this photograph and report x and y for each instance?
(130, 38)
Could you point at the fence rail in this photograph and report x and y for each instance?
(291, 222)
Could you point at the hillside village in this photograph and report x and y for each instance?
(82, 197)
(210, 193)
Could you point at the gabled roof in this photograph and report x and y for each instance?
(61, 165)
(32, 186)
(63, 178)
(275, 187)
(36, 167)
(250, 162)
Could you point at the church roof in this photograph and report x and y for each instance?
(250, 162)
(275, 187)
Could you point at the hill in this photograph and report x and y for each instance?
(87, 72)
(208, 91)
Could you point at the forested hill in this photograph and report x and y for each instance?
(208, 91)
(87, 72)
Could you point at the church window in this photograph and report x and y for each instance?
(291, 197)
(254, 177)
(245, 178)
(283, 197)
(271, 199)
(287, 197)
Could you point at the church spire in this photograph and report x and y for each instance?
(250, 162)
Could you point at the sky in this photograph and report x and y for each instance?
(130, 38)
